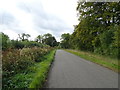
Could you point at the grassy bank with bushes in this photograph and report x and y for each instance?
(42, 70)
(99, 59)
(23, 67)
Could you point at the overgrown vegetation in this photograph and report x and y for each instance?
(15, 61)
(31, 76)
(41, 72)
(98, 30)
(108, 62)
(23, 41)
(24, 61)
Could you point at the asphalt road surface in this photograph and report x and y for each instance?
(71, 71)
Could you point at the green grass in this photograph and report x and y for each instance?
(99, 59)
(42, 71)
(35, 75)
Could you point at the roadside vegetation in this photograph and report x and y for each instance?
(42, 69)
(98, 32)
(107, 62)
(29, 75)
(25, 63)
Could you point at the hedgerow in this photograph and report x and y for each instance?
(15, 61)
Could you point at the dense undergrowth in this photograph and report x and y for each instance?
(42, 71)
(20, 66)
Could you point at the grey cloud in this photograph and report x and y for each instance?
(44, 21)
(51, 22)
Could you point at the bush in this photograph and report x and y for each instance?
(109, 42)
(25, 44)
(15, 61)
(17, 44)
(5, 42)
(34, 53)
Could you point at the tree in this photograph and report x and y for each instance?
(47, 35)
(24, 36)
(39, 38)
(97, 30)
(116, 42)
(49, 40)
(65, 40)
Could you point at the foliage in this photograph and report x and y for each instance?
(18, 56)
(39, 38)
(49, 40)
(32, 76)
(42, 71)
(116, 42)
(46, 41)
(5, 41)
(65, 40)
(98, 29)
(14, 61)
(24, 37)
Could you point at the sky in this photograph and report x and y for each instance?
(37, 17)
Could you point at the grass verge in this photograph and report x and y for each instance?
(101, 60)
(35, 75)
(42, 71)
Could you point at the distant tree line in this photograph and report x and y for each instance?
(23, 41)
(47, 39)
(98, 29)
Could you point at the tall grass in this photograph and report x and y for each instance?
(42, 71)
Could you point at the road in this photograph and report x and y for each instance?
(71, 71)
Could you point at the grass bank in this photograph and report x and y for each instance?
(34, 76)
(42, 71)
(101, 60)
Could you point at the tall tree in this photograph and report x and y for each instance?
(47, 35)
(39, 38)
(97, 29)
(49, 40)
(65, 40)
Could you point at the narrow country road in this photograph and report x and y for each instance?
(71, 71)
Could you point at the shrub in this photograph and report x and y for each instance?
(4, 41)
(34, 53)
(17, 60)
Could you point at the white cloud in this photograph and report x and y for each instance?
(37, 17)
(11, 33)
(65, 9)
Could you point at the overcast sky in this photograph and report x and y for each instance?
(37, 17)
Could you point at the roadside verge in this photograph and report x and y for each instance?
(112, 64)
(42, 71)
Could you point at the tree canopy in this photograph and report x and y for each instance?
(98, 28)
